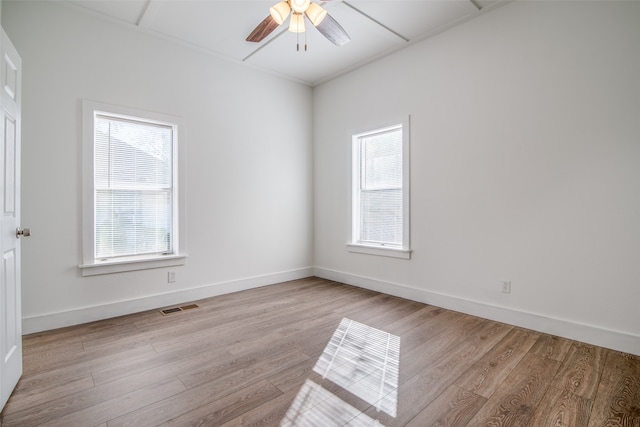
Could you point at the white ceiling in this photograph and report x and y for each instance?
(376, 28)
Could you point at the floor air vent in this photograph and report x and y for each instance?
(177, 309)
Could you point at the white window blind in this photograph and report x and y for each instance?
(134, 187)
(380, 191)
(381, 188)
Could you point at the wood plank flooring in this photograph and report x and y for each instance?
(252, 358)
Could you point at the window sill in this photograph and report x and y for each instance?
(131, 264)
(380, 251)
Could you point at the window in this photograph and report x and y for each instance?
(131, 206)
(380, 191)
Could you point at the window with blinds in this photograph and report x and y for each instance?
(380, 196)
(134, 200)
(381, 188)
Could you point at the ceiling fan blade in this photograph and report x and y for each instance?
(330, 28)
(263, 29)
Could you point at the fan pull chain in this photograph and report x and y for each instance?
(298, 32)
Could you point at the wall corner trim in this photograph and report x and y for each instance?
(590, 334)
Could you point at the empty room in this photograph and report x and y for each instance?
(320, 213)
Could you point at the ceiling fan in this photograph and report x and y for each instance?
(299, 9)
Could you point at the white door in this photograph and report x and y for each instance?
(10, 310)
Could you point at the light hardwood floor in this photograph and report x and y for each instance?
(280, 354)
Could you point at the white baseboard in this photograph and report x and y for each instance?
(591, 334)
(89, 314)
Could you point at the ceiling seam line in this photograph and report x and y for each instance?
(265, 44)
(376, 21)
(476, 4)
(143, 13)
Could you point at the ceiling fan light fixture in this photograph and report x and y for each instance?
(316, 14)
(297, 23)
(299, 6)
(299, 10)
(280, 11)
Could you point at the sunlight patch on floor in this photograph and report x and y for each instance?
(360, 359)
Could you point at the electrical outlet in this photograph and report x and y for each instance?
(506, 286)
(171, 277)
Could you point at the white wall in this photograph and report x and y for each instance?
(525, 148)
(525, 155)
(248, 183)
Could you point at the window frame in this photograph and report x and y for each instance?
(91, 266)
(371, 248)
